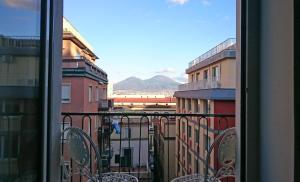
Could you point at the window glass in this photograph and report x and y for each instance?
(66, 93)
(90, 93)
(205, 74)
(189, 158)
(197, 136)
(20, 93)
(190, 131)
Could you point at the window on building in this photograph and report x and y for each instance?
(97, 94)
(183, 103)
(189, 158)
(197, 77)
(206, 106)
(183, 127)
(183, 151)
(66, 93)
(117, 158)
(192, 79)
(90, 93)
(215, 73)
(197, 136)
(196, 165)
(205, 74)
(196, 106)
(206, 142)
(190, 131)
(126, 160)
(189, 105)
(127, 132)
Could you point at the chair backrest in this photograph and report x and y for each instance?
(225, 144)
(80, 146)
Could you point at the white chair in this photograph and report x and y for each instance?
(226, 147)
(80, 145)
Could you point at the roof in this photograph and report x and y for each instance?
(146, 100)
(212, 94)
(70, 33)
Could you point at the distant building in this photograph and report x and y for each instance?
(145, 102)
(210, 90)
(154, 136)
(84, 85)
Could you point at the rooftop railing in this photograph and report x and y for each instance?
(217, 49)
(144, 144)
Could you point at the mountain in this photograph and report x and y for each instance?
(155, 84)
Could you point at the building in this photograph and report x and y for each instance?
(164, 148)
(84, 85)
(147, 136)
(159, 103)
(18, 71)
(210, 90)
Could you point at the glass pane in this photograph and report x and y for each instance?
(20, 119)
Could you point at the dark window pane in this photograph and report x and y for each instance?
(20, 94)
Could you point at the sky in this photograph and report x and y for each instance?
(143, 38)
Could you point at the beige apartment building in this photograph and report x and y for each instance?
(210, 90)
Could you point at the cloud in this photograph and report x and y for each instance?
(166, 71)
(24, 4)
(181, 2)
(206, 2)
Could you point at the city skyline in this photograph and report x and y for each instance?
(148, 38)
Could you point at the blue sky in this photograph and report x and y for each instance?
(144, 38)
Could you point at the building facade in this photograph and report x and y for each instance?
(210, 90)
(84, 85)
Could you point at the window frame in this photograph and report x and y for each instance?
(70, 93)
(90, 93)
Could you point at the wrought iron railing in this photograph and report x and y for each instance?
(144, 144)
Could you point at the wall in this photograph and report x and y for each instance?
(227, 73)
(70, 49)
(277, 97)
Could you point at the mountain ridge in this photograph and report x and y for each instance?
(157, 83)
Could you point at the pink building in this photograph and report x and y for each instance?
(84, 85)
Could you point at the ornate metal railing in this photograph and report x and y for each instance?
(145, 145)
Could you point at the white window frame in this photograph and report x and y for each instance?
(70, 93)
(90, 93)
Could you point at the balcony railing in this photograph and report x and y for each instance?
(217, 49)
(128, 142)
(200, 84)
(82, 63)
